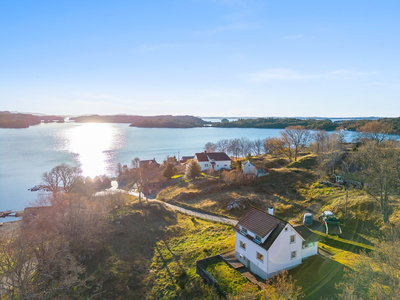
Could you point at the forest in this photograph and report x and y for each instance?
(313, 124)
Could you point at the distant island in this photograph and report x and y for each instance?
(166, 121)
(24, 120)
(16, 120)
(314, 124)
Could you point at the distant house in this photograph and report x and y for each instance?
(250, 168)
(150, 162)
(185, 159)
(213, 160)
(97, 181)
(266, 245)
(106, 183)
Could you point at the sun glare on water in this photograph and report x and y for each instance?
(94, 145)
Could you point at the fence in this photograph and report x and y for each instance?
(207, 276)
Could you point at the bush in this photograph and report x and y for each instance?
(169, 171)
(193, 170)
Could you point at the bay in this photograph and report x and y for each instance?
(25, 154)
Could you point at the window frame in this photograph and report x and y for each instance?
(243, 230)
(294, 239)
(240, 245)
(291, 255)
(259, 254)
(258, 241)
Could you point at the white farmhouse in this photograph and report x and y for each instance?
(215, 160)
(266, 245)
(250, 168)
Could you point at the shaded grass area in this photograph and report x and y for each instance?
(337, 242)
(230, 280)
(152, 251)
(317, 277)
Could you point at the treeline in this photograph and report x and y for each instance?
(165, 121)
(10, 120)
(280, 123)
(312, 124)
(237, 147)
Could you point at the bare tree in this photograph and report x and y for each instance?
(375, 275)
(374, 131)
(298, 137)
(257, 147)
(321, 141)
(279, 146)
(245, 146)
(222, 145)
(210, 147)
(377, 166)
(136, 163)
(61, 178)
(234, 147)
(342, 134)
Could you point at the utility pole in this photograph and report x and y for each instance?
(345, 208)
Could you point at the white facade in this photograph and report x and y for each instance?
(280, 252)
(285, 253)
(249, 168)
(309, 250)
(248, 256)
(212, 163)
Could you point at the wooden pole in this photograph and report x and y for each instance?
(345, 209)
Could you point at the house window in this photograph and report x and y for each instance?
(258, 239)
(206, 165)
(292, 239)
(286, 229)
(293, 255)
(244, 230)
(242, 245)
(260, 256)
(225, 165)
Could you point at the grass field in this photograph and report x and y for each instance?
(152, 251)
(230, 280)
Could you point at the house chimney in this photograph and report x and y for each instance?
(271, 210)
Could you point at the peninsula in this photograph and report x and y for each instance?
(164, 121)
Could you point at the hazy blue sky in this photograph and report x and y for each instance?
(204, 58)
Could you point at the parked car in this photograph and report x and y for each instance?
(307, 219)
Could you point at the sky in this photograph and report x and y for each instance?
(205, 58)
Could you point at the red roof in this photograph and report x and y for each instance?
(217, 156)
(258, 222)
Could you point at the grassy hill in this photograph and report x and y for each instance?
(151, 253)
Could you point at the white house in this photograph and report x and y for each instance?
(250, 168)
(215, 160)
(266, 245)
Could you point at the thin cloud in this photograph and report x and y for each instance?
(293, 75)
(279, 74)
(95, 96)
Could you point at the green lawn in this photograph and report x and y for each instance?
(317, 277)
(151, 253)
(230, 280)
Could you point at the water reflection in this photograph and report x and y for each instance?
(94, 146)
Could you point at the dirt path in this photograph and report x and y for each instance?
(196, 214)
